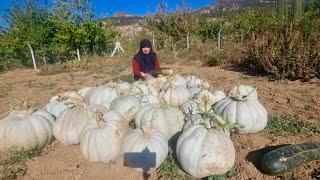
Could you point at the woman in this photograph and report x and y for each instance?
(145, 62)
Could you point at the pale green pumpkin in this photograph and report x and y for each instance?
(205, 152)
(242, 107)
(144, 149)
(101, 140)
(169, 120)
(127, 106)
(25, 130)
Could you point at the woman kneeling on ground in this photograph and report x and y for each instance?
(145, 62)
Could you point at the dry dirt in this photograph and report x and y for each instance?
(60, 162)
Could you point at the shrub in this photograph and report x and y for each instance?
(217, 58)
(169, 169)
(14, 165)
(289, 125)
(125, 78)
(283, 55)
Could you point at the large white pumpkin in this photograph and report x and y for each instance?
(194, 90)
(193, 81)
(205, 152)
(24, 130)
(60, 102)
(169, 120)
(70, 123)
(140, 89)
(101, 95)
(202, 102)
(243, 92)
(55, 108)
(67, 95)
(243, 107)
(177, 80)
(145, 100)
(205, 99)
(145, 149)
(190, 107)
(122, 88)
(175, 96)
(101, 140)
(127, 106)
(156, 83)
(196, 119)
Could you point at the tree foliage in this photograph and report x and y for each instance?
(286, 43)
(53, 33)
(177, 25)
(281, 39)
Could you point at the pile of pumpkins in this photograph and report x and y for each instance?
(181, 112)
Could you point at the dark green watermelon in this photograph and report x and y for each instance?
(286, 158)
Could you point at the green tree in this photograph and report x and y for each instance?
(76, 11)
(54, 34)
(28, 24)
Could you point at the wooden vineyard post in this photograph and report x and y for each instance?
(188, 44)
(153, 42)
(33, 59)
(219, 39)
(78, 53)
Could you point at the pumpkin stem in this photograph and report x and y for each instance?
(170, 84)
(239, 97)
(62, 97)
(218, 118)
(166, 86)
(164, 103)
(99, 119)
(26, 104)
(221, 124)
(30, 107)
(141, 91)
(74, 102)
(145, 130)
(207, 111)
(111, 84)
(121, 93)
(206, 100)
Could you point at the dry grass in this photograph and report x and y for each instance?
(4, 91)
(53, 69)
(199, 54)
(13, 164)
(98, 64)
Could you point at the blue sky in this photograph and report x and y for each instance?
(140, 7)
(136, 7)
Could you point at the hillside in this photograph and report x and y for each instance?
(125, 19)
(234, 5)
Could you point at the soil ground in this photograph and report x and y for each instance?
(301, 99)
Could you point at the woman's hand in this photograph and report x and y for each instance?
(142, 74)
(146, 75)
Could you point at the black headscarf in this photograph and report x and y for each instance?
(147, 62)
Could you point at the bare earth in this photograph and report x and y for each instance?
(60, 162)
